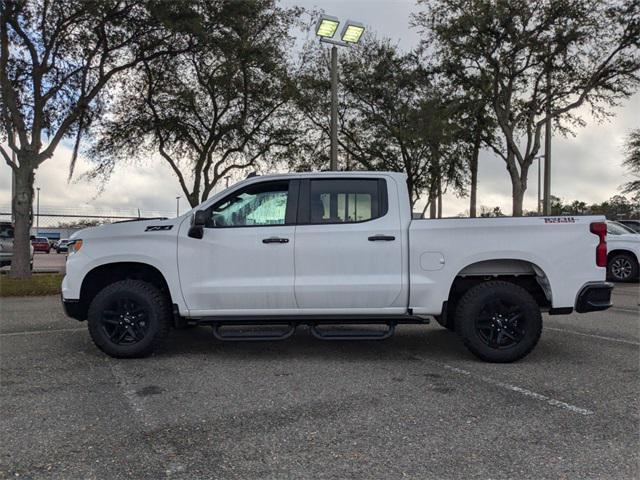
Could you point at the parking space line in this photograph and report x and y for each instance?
(41, 332)
(599, 337)
(513, 388)
(625, 309)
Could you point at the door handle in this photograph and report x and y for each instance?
(275, 240)
(382, 238)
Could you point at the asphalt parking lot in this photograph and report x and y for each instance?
(49, 262)
(415, 406)
(46, 262)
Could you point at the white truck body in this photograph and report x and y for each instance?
(389, 265)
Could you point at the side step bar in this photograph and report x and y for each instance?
(289, 324)
(219, 334)
(322, 334)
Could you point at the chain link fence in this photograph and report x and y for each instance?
(56, 223)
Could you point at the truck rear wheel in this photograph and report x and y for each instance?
(498, 321)
(129, 318)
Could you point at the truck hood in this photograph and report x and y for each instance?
(129, 228)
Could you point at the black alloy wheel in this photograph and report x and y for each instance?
(125, 321)
(501, 324)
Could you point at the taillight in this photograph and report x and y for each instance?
(600, 229)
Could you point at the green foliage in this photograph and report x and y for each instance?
(392, 116)
(487, 212)
(83, 223)
(37, 285)
(216, 108)
(58, 60)
(617, 207)
(535, 60)
(632, 163)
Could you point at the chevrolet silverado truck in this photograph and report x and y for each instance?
(335, 252)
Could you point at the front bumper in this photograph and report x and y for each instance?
(594, 297)
(74, 308)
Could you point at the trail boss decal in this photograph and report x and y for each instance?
(157, 228)
(559, 220)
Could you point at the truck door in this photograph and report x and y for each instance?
(348, 249)
(244, 262)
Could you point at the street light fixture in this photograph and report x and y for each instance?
(352, 31)
(327, 26)
(351, 34)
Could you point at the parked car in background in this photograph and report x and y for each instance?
(624, 252)
(632, 224)
(41, 244)
(62, 245)
(6, 245)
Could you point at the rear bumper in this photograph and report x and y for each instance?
(594, 297)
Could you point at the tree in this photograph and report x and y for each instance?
(392, 116)
(632, 162)
(56, 61)
(486, 212)
(473, 112)
(213, 110)
(537, 60)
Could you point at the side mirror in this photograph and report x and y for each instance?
(198, 222)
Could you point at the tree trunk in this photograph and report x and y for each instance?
(440, 198)
(518, 197)
(22, 205)
(473, 166)
(432, 201)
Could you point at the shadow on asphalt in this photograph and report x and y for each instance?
(437, 345)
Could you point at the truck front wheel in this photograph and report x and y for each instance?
(129, 318)
(498, 321)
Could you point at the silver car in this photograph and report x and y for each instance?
(6, 245)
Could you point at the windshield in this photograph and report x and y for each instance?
(615, 228)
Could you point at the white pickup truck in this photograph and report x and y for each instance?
(332, 251)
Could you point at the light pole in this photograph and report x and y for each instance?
(547, 148)
(37, 210)
(539, 201)
(177, 206)
(351, 33)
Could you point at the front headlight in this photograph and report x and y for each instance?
(74, 246)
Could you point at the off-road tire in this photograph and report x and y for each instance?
(477, 300)
(157, 310)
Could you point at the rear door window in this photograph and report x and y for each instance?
(345, 200)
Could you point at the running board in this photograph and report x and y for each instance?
(321, 334)
(252, 337)
(289, 325)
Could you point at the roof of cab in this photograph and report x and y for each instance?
(333, 174)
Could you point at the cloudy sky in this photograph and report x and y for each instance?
(585, 167)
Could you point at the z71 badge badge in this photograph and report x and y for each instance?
(157, 228)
